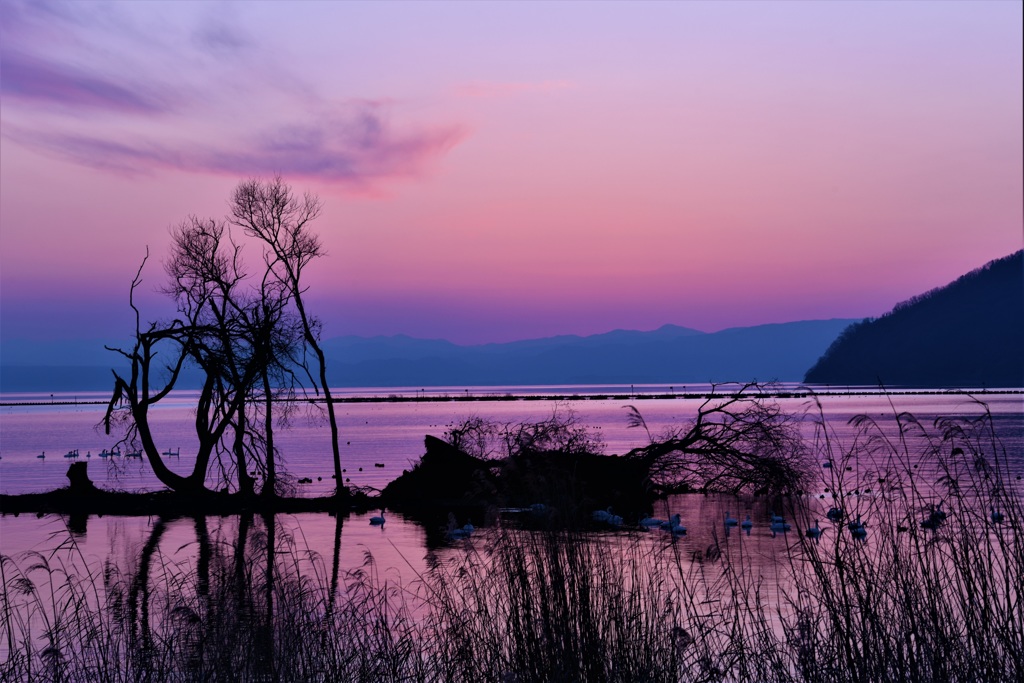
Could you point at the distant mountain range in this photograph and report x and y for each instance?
(969, 333)
(670, 354)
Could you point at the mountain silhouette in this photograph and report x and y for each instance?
(669, 354)
(969, 333)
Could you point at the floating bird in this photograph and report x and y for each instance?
(651, 522)
(730, 521)
(378, 521)
(674, 525)
(42, 455)
(775, 518)
(997, 517)
(455, 532)
(827, 464)
(779, 528)
(747, 524)
(858, 529)
(814, 531)
(607, 516)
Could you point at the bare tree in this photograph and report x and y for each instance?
(269, 211)
(738, 440)
(240, 334)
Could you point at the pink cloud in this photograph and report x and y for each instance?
(355, 148)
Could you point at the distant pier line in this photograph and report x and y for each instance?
(482, 396)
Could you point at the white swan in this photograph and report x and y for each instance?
(730, 521)
(814, 531)
(747, 524)
(651, 522)
(997, 517)
(676, 526)
(458, 532)
(607, 516)
(858, 529)
(378, 521)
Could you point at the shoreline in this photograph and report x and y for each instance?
(636, 396)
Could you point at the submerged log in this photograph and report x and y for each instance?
(446, 478)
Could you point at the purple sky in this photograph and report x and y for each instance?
(496, 171)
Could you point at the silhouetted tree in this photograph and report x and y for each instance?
(272, 213)
(244, 335)
(737, 440)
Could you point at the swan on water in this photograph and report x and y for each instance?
(674, 525)
(379, 520)
(606, 516)
(730, 521)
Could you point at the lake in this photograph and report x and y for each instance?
(347, 556)
(382, 438)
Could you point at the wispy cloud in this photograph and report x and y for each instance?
(488, 89)
(37, 81)
(188, 91)
(357, 149)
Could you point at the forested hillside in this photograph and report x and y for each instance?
(969, 333)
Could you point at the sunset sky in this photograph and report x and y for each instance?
(497, 171)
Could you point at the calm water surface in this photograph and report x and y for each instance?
(392, 434)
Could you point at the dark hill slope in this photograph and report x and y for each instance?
(969, 333)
